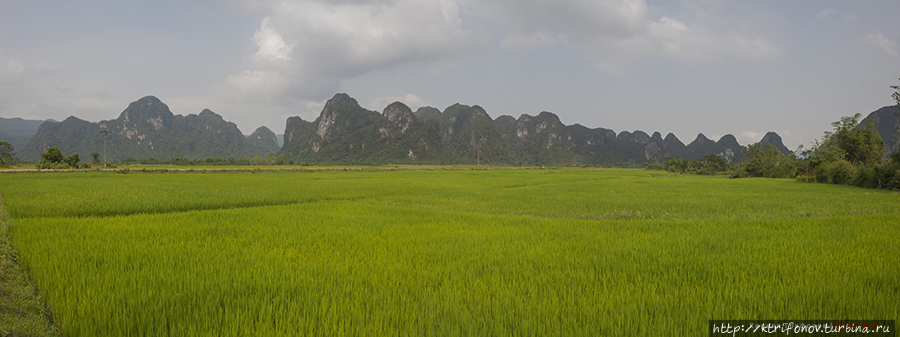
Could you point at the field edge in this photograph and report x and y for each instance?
(23, 312)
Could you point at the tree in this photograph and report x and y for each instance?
(53, 158)
(73, 160)
(95, 158)
(859, 143)
(6, 154)
(713, 163)
(764, 160)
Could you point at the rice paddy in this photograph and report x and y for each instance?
(562, 252)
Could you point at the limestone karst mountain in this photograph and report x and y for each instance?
(463, 134)
(148, 129)
(345, 132)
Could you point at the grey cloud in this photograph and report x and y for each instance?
(307, 48)
(613, 33)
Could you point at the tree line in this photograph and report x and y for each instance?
(851, 154)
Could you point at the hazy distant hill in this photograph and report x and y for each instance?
(148, 129)
(17, 131)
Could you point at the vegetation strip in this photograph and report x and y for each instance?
(22, 311)
(507, 252)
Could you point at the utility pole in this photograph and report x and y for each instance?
(575, 161)
(478, 163)
(105, 133)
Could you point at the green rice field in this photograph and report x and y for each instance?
(530, 252)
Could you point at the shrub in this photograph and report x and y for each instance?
(864, 176)
(838, 172)
(888, 176)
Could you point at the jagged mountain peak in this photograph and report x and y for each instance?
(72, 119)
(207, 112)
(547, 115)
(728, 148)
(728, 139)
(479, 111)
(774, 139)
(457, 109)
(671, 137)
(148, 111)
(400, 115)
(263, 131)
(345, 131)
(262, 138)
(339, 103)
(702, 138)
(637, 136)
(340, 112)
(148, 100)
(428, 112)
(148, 129)
(506, 118)
(343, 98)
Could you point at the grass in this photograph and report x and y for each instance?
(506, 252)
(22, 311)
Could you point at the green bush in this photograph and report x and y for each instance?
(864, 176)
(888, 176)
(839, 172)
(60, 166)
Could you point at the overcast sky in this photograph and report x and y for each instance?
(695, 66)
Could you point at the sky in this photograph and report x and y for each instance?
(687, 67)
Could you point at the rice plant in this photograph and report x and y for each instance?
(505, 252)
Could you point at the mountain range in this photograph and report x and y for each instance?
(345, 132)
(17, 131)
(462, 134)
(148, 129)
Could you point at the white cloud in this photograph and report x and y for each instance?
(826, 14)
(413, 101)
(307, 48)
(614, 33)
(749, 137)
(271, 45)
(710, 37)
(880, 41)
